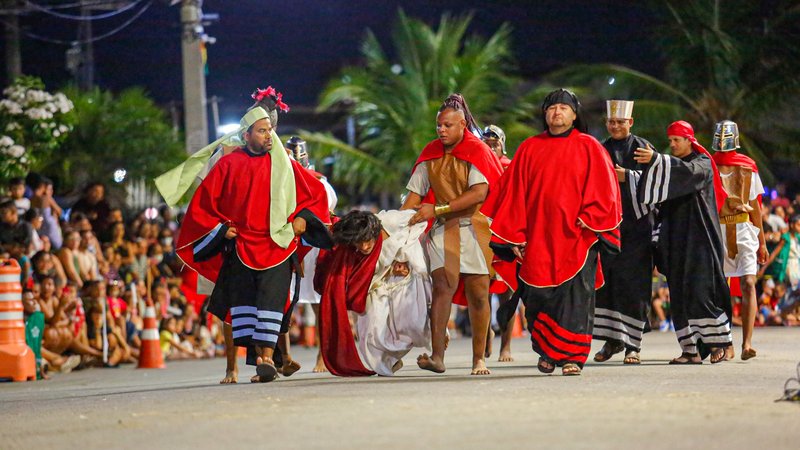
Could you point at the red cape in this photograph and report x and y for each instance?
(505, 162)
(573, 180)
(236, 193)
(733, 158)
(474, 151)
(343, 277)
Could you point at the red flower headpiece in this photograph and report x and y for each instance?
(276, 96)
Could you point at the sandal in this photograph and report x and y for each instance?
(266, 372)
(632, 357)
(610, 348)
(719, 355)
(688, 359)
(545, 366)
(570, 370)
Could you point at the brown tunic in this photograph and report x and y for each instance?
(736, 182)
(449, 178)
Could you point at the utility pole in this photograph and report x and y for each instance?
(195, 118)
(85, 70)
(11, 35)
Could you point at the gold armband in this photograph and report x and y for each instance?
(440, 210)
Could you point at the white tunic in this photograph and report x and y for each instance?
(746, 261)
(395, 319)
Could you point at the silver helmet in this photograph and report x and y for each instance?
(299, 151)
(726, 136)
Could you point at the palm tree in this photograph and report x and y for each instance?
(394, 101)
(731, 61)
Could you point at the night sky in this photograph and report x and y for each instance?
(297, 45)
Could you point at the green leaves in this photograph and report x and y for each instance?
(115, 131)
(394, 102)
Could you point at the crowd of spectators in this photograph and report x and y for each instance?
(778, 289)
(88, 269)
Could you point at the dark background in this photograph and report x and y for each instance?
(298, 45)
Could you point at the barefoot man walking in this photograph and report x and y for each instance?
(450, 180)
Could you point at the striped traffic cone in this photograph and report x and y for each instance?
(150, 356)
(17, 360)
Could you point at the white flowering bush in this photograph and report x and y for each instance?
(33, 122)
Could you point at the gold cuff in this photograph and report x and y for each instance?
(440, 210)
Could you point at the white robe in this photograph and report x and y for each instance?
(396, 316)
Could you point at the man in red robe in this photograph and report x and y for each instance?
(450, 180)
(555, 208)
(242, 229)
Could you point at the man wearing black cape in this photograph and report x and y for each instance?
(687, 188)
(620, 315)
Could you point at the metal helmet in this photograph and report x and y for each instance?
(299, 150)
(495, 132)
(726, 136)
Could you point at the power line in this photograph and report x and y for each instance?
(50, 40)
(49, 11)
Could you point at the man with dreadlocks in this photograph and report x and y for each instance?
(242, 228)
(450, 180)
(377, 270)
(555, 208)
(297, 148)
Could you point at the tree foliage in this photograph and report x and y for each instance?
(725, 60)
(394, 99)
(125, 131)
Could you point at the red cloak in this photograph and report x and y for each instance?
(236, 193)
(343, 277)
(551, 185)
(474, 151)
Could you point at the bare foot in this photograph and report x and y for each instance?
(748, 353)
(428, 363)
(397, 366)
(505, 356)
(320, 366)
(231, 377)
(479, 368)
(289, 368)
(489, 339)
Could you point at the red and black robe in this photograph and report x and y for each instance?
(554, 185)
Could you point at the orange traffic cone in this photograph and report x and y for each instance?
(17, 360)
(309, 336)
(150, 356)
(516, 332)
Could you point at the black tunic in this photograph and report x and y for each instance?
(623, 302)
(691, 248)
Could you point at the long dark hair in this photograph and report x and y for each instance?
(456, 102)
(355, 227)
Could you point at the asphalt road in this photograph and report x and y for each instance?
(728, 405)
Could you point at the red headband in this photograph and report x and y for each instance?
(684, 129)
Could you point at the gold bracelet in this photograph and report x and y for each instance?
(440, 210)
